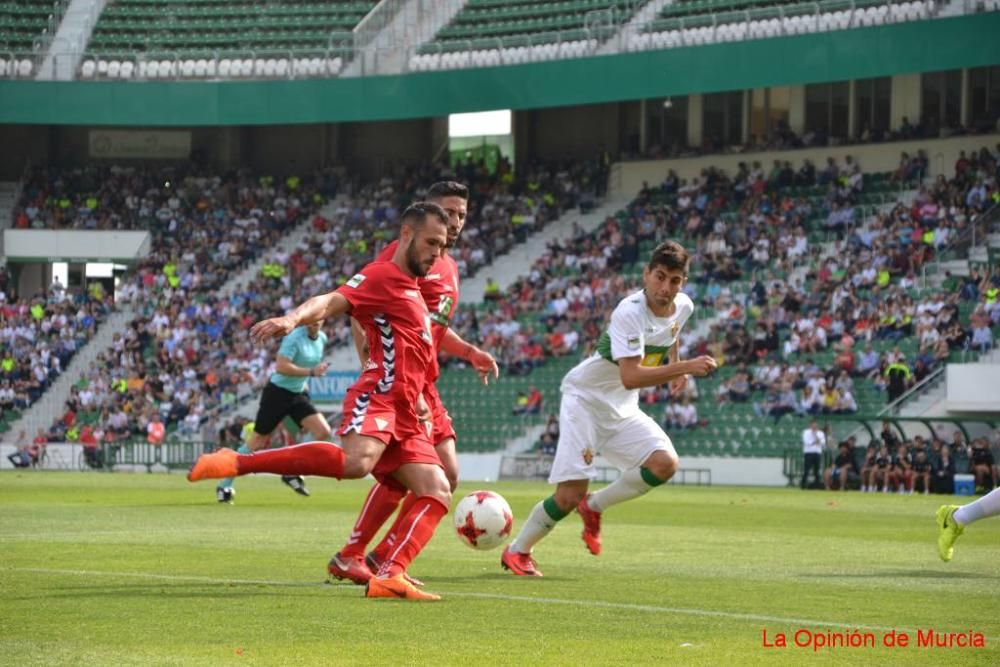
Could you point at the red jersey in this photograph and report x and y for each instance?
(440, 291)
(388, 305)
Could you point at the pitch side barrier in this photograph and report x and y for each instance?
(138, 454)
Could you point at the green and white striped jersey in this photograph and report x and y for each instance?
(632, 332)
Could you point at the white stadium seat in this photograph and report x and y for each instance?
(128, 69)
(87, 70)
(114, 69)
(225, 66)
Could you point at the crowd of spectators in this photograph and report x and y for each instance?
(184, 353)
(40, 334)
(781, 137)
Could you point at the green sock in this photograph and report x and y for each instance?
(540, 522)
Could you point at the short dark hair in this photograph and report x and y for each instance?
(416, 214)
(671, 256)
(443, 189)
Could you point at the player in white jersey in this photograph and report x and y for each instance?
(599, 412)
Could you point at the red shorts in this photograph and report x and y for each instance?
(374, 416)
(442, 428)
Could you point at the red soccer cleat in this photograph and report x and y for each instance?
(591, 526)
(349, 568)
(217, 465)
(522, 565)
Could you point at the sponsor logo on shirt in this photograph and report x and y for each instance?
(632, 342)
(432, 276)
(412, 293)
(356, 280)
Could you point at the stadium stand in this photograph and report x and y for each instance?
(486, 32)
(222, 39)
(695, 23)
(38, 337)
(207, 227)
(775, 335)
(26, 28)
(204, 227)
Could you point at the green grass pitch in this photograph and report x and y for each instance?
(118, 569)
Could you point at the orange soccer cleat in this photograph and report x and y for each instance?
(523, 565)
(217, 465)
(374, 564)
(591, 526)
(396, 587)
(349, 568)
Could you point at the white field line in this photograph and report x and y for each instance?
(601, 604)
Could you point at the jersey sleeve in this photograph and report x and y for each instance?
(290, 346)
(626, 333)
(366, 290)
(686, 310)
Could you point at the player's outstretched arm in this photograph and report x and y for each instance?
(636, 376)
(316, 309)
(677, 384)
(482, 361)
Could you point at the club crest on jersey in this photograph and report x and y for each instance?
(588, 456)
(356, 280)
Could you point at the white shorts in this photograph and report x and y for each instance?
(586, 430)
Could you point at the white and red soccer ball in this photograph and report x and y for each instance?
(483, 520)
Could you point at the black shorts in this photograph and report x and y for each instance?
(276, 404)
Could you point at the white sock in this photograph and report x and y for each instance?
(631, 484)
(988, 505)
(538, 524)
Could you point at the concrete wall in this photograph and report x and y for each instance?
(973, 388)
(872, 157)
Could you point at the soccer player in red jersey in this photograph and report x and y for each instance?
(440, 291)
(381, 431)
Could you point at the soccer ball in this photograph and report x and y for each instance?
(483, 520)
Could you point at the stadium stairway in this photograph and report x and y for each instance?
(387, 50)
(46, 409)
(287, 244)
(70, 39)
(507, 268)
(521, 258)
(642, 17)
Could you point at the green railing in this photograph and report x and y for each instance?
(172, 455)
